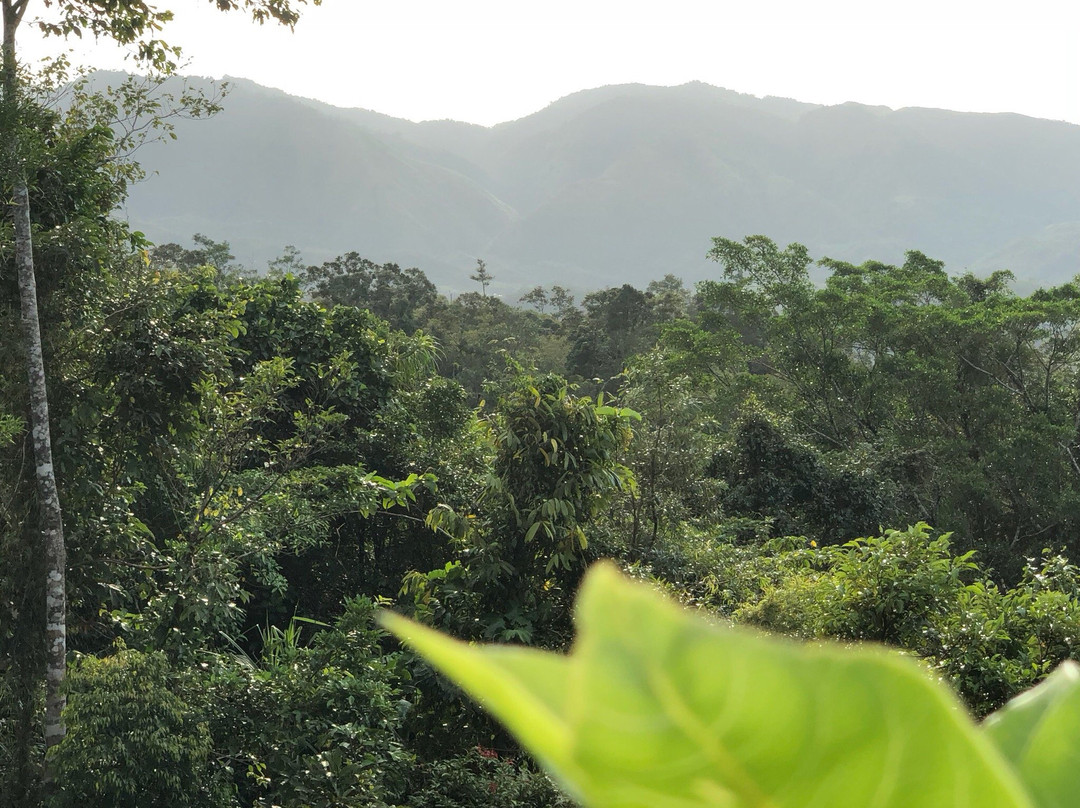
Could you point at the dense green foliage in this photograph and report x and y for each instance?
(133, 739)
(250, 464)
(907, 589)
(950, 396)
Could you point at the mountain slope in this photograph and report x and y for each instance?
(621, 183)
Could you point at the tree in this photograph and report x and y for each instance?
(555, 469)
(50, 516)
(668, 453)
(955, 395)
(476, 333)
(482, 276)
(207, 252)
(536, 297)
(402, 297)
(562, 301)
(619, 322)
(131, 22)
(134, 738)
(290, 262)
(77, 248)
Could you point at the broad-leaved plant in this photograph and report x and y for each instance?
(657, 707)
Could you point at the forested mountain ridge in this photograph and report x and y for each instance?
(620, 183)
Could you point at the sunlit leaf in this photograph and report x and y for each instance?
(1039, 732)
(657, 707)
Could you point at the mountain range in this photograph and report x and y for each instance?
(618, 184)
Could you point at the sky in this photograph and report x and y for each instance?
(488, 61)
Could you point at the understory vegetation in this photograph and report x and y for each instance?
(250, 465)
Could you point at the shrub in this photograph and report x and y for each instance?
(132, 741)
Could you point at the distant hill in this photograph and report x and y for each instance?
(619, 184)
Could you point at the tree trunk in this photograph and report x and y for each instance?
(52, 526)
(49, 513)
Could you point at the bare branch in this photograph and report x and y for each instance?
(996, 378)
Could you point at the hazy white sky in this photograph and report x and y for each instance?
(487, 61)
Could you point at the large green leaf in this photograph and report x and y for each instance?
(659, 708)
(1039, 732)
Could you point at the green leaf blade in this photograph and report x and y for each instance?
(523, 687)
(1039, 733)
(658, 708)
(772, 723)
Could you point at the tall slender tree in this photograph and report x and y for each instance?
(50, 515)
(482, 276)
(128, 22)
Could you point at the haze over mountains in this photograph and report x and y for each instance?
(619, 184)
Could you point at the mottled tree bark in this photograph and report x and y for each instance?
(52, 526)
(49, 513)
